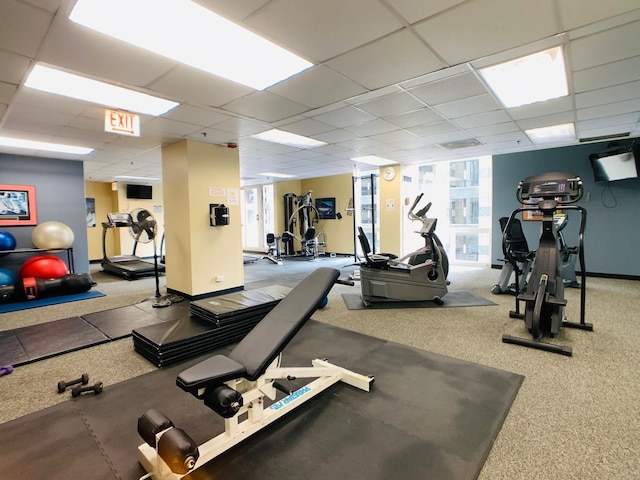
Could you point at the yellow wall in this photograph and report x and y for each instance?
(200, 258)
(338, 233)
(118, 240)
(124, 204)
(105, 201)
(390, 221)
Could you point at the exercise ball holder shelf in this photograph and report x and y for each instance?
(68, 250)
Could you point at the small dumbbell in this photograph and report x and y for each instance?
(62, 385)
(96, 389)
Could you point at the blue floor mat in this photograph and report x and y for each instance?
(45, 302)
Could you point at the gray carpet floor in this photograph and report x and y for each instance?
(574, 417)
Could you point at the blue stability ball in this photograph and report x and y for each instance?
(7, 277)
(7, 241)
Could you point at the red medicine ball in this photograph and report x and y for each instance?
(44, 266)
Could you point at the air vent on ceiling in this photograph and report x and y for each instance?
(469, 142)
(605, 137)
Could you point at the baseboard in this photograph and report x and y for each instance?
(614, 276)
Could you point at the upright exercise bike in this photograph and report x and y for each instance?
(544, 297)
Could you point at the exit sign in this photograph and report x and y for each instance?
(125, 123)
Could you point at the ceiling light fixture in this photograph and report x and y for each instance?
(534, 78)
(45, 146)
(373, 160)
(555, 133)
(287, 138)
(276, 175)
(51, 80)
(190, 34)
(123, 178)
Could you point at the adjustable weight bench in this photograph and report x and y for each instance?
(235, 385)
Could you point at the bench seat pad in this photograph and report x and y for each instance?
(210, 372)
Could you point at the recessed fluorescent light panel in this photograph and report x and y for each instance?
(534, 78)
(276, 175)
(191, 34)
(373, 160)
(45, 146)
(555, 133)
(123, 178)
(287, 138)
(56, 81)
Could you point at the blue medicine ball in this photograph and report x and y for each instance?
(7, 241)
(7, 277)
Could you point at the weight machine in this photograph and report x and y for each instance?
(544, 297)
(299, 211)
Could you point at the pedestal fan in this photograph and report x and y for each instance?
(143, 229)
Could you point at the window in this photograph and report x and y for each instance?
(460, 193)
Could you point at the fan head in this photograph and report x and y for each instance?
(143, 225)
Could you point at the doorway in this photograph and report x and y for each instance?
(257, 209)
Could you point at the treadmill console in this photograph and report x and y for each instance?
(565, 187)
(119, 219)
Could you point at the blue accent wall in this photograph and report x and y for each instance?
(59, 186)
(612, 237)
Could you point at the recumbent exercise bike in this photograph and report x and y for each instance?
(419, 276)
(544, 297)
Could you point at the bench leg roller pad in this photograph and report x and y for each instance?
(178, 450)
(223, 400)
(151, 424)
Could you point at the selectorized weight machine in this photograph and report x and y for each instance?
(544, 297)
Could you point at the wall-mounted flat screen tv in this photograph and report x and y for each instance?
(620, 166)
(142, 192)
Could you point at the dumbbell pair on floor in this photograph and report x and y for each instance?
(79, 390)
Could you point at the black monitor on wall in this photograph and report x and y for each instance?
(143, 192)
(619, 165)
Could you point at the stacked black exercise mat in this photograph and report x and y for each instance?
(213, 323)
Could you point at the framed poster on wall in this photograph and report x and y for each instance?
(18, 205)
(326, 208)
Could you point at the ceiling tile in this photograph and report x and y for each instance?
(468, 106)
(389, 105)
(483, 27)
(344, 117)
(607, 75)
(22, 27)
(196, 115)
(417, 117)
(316, 87)
(449, 89)
(186, 84)
(373, 127)
(605, 47)
(413, 11)
(322, 30)
(264, 106)
(613, 94)
(608, 110)
(591, 11)
(392, 59)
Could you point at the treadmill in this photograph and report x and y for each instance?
(131, 266)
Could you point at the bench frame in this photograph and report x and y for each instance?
(255, 414)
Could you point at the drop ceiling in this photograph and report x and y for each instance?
(392, 78)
